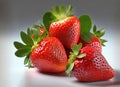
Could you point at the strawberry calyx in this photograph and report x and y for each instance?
(72, 57)
(61, 12)
(57, 13)
(29, 43)
(99, 33)
(86, 26)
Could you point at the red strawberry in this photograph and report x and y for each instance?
(64, 26)
(89, 65)
(45, 53)
(49, 55)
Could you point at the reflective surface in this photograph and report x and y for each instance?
(17, 15)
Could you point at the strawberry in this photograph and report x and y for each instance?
(88, 65)
(45, 53)
(63, 25)
(49, 55)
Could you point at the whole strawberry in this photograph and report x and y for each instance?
(45, 53)
(63, 25)
(49, 55)
(89, 65)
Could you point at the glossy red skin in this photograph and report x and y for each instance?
(92, 69)
(66, 30)
(94, 43)
(49, 56)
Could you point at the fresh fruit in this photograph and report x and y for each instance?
(49, 55)
(90, 67)
(45, 53)
(63, 25)
(48, 46)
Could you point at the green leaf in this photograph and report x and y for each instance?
(55, 10)
(26, 38)
(62, 9)
(69, 10)
(100, 33)
(29, 32)
(29, 64)
(103, 41)
(37, 25)
(69, 68)
(23, 52)
(94, 28)
(76, 48)
(81, 55)
(26, 60)
(48, 18)
(86, 36)
(18, 45)
(86, 23)
(36, 33)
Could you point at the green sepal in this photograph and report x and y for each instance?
(99, 33)
(86, 36)
(73, 55)
(69, 68)
(61, 12)
(76, 48)
(29, 64)
(103, 41)
(48, 18)
(85, 23)
(81, 55)
(29, 33)
(18, 45)
(38, 25)
(26, 60)
(36, 33)
(94, 28)
(26, 38)
(22, 52)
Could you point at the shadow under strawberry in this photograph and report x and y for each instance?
(113, 82)
(61, 74)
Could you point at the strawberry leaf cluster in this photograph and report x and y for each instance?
(30, 40)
